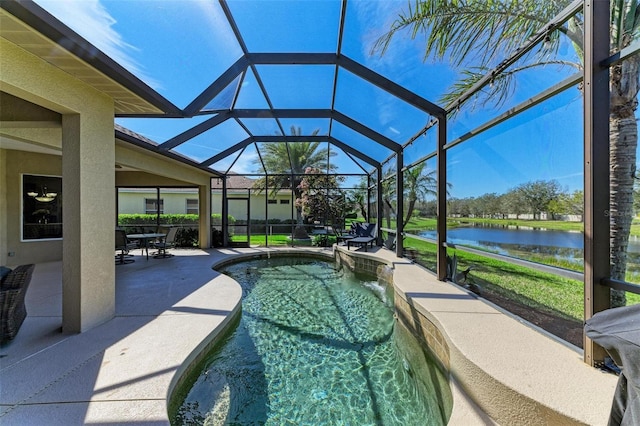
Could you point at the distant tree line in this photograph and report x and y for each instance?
(530, 198)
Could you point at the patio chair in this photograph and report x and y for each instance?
(342, 236)
(168, 243)
(124, 245)
(366, 235)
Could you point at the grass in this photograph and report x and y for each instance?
(539, 290)
(284, 240)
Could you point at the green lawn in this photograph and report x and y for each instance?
(540, 290)
(284, 240)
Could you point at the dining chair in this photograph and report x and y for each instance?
(124, 246)
(167, 243)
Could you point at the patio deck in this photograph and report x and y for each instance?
(121, 372)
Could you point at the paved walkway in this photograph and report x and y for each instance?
(119, 372)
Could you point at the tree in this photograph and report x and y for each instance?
(288, 162)
(358, 197)
(474, 34)
(537, 195)
(389, 196)
(514, 202)
(418, 185)
(321, 197)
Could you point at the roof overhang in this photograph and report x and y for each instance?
(32, 28)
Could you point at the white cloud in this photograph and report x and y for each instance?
(246, 163)
(91, 20)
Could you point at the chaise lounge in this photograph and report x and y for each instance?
(366, 234)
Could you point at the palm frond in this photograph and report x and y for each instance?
(502, 86)
(472, 31)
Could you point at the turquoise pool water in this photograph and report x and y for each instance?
(315, 346)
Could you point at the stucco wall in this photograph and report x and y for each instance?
(3, 207)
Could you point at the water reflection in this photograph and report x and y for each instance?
(518, 241)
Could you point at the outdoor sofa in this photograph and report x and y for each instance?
(13, 289)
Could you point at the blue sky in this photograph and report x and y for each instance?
(180, 47)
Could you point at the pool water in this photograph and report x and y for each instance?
(315, 346)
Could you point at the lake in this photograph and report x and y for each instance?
(514, 241)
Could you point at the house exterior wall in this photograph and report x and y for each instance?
(132, 200)
(173, 202)
(86, 130)
(3, 208)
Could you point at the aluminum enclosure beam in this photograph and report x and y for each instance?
(227, 152)
(596, 168)
(275, 139)
(195, 131)
(389, 86)
(320, 113)
(216, 87)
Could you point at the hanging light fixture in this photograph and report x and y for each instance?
(44, 196)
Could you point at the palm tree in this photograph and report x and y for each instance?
(482, 31)
(418, 186)
(358, 197)
(288, 162)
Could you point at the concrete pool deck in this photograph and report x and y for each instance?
(166, 309)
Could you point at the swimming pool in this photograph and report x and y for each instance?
(315, 345)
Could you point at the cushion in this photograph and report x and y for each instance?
(4, 271)
(17, 278)
(361, 229)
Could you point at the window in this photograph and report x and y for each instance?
(284, 201)
(272, 201)
(151, 206)
(192, 206)
(41, 207)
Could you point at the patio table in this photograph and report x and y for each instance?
(144, 239)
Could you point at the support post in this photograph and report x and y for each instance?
(400, 203)
(225, 213)
(596, 167)
(88, 179)
(379, 206)
(204, 216)
(441, 226)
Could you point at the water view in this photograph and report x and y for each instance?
(315, 346)
(523, 242)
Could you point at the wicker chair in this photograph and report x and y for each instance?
(12, 307)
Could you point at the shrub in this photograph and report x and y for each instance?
(187, 237)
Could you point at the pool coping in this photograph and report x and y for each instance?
(525, 376)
